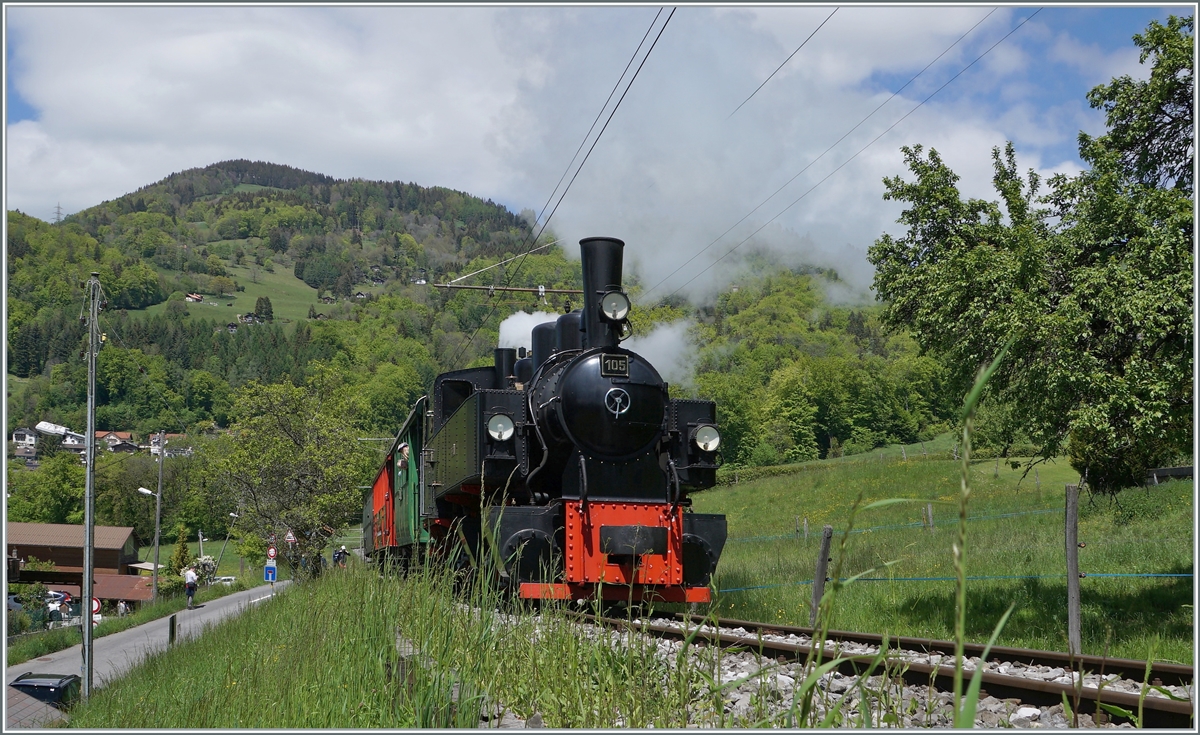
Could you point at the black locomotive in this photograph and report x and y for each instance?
(574, 458)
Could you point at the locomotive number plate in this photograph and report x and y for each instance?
(614, 366)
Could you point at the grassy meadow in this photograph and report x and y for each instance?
(1015, 540)
(357, 649)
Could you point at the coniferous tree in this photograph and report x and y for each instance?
(181, 557)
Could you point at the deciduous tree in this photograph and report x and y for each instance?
(1094, 289)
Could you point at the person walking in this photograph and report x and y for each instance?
(189, 585)
(121, 608)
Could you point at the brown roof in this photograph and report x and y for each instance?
(126, 435)
(63, 534)
(114, 587)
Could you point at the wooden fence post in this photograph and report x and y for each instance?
(1037, 479)
(956, 451)
(923, 451)
(1074, 643)
(805, 529)
(903, 453)
(171, 630)
(819, 577)
(929, 510)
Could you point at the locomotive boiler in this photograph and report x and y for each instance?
(573, 460)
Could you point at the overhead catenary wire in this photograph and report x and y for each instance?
(644, 296)
(785, 61)
(856, 154)
(579, 168)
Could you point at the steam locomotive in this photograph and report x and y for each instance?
(572, 459)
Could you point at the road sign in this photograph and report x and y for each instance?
(270, 563)
(269, 574)
(271, 538)
(271, 552)
(290, 537)
(95, 605)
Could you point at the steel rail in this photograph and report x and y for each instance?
(1168, 674)
(1157, 711)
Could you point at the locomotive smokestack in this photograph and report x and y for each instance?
(504, 357)
(543, 343)
(601, 258)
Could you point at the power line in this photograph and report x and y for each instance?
(785, 61)
(856, 154)
(643, 297)
(617, 106)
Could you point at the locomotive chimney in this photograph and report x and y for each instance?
(505, 357)
(543, 343)
(601, 258)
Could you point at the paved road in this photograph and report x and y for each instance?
(114, 655)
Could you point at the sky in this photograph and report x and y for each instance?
(495, 101)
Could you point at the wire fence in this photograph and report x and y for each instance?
(895, 526)
(953, 579)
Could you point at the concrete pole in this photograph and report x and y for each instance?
(89, 493)
(162, 444)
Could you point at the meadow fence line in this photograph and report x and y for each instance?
(1086, 575)
(894, 526)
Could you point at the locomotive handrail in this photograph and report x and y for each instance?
(583, 489)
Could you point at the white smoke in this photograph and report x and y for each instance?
(517, 330)
(669, 350)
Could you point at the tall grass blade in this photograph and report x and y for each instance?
(965, 717)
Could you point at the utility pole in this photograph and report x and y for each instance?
(58, 214)
(89, 494)
(162, 455)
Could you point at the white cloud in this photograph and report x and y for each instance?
(495, 101)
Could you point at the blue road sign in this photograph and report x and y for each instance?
(268, 574)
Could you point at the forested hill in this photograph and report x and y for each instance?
(282, 243)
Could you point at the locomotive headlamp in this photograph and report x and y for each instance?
(614, 306)
(500, 427)
(707, 438)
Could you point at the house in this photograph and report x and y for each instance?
(123, 446)
(377, 281)
(74, 442)
(114, 558)
(62, 544)
(194, 297)
(25, 452)
(250, 318)
(113, 437)
(321, 317)
(328, 300)
(360, 295)
(175, 443)
(25, 438)
(374, 269)
(232, 327)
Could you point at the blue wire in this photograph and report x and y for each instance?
(946, 579)
(901, 525)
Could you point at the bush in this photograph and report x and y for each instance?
(18, 623)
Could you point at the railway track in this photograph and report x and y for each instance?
(1021, 676)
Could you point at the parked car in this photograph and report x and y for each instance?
(58, 690)
(224, 580)
(13, 604)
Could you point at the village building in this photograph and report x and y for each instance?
(115, 559)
